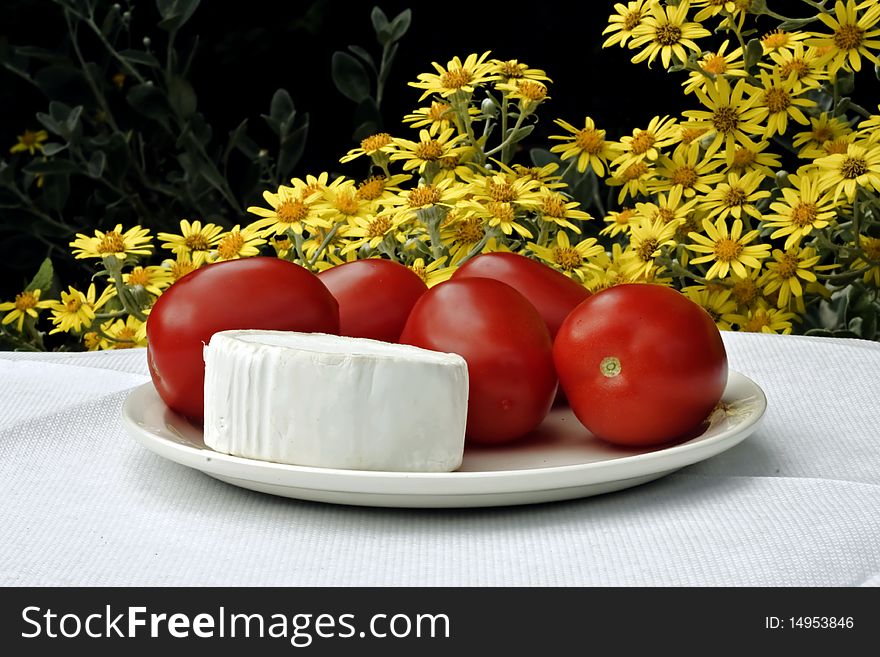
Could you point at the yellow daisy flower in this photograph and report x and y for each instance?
(238, 243)
(668, 208)
(434, 273)
(502, 214)
(687, 170)
(587, 144)
(736, 196)
(779, 100)
(457, 76)
(290, 210)
(823, 128)
(558, 209)
(153, 279)
(665, 32)
(442, 192)
(846, 172)
(26, 304)
(800, 210)
(460, 235)
(710, 8)
(804, 64)
(380, 188)
(546, 176)
(869, 129)
(573, 260)
(633, 179)
(312, 186)
(116, 242)
(180, 267)
(428, 150)
(513, 69)
(752, 156)
(870, 258)
(195, 240)
(717, 302)
(340, 202)
(505, 188)
(619, 222)
(732, 112)
(744, 290)
(76, 310)
(438, 117)
(646, 144)
(727, 249)
(646, 242)
(123, 334)
(715, 64)
(529, 93)
(30, 141)
(373, 231)
(628, 17)
(779, 40)
(374, 146)
(761, 318)
(853, 35)
(784, 274)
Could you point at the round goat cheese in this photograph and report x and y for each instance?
(336, 402)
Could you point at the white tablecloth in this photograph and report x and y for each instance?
(797, 503)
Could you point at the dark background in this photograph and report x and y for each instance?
(248, 50)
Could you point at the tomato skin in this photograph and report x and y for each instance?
(507, 348)
(672, 364)
(552, 293)
(251, 293)
(375, 297)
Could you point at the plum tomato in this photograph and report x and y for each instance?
(375, 297)
(506, 345)
(552, 293)
(640, 364)
(251, 293)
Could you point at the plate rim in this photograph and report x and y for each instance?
(493, 482)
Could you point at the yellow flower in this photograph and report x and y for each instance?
(152, 279)
(838, 146)
(311, 186)
(340, 202)
(717, 302)
(460, 235)
(802, 63)
(627, 19)
(379, 188)
(869, 129)
(824, 127)
(779, 101)
(733, 112)
(736, 196)
(546, 175)
(513, 69)
(633, 179)
(761, 318)
(664, 32)
(619, 222)
(587, 144)
(573, 260)
(291, 210)
(505, 188)
(869, 258)
(26, 304)
(502, 214)
(646, 144)
(180, 267)
(846, 172)
(558, 209)
(744, 290)
(442, 192)
(646, 242)
(373, 231)
(784, 275)
(712, 8)
(372, 146)
(438, 117)
(238, 243)
(195, 240)
(456, 76)
(30, 141)
(429, 150)
(713, 65)
(529, 93)
(779, 40)
(123, 334)
(668, 208)
(434, 273)
(853, 35)
(687, 170)
(801, 209)
(752, 156)
(76, 310)
(727, 249)
(116, 242)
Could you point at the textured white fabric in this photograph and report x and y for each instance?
(796, 504)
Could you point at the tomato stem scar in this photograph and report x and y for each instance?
(610, 366)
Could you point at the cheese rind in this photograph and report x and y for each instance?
(335, 402)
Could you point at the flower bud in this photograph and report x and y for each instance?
(488, 107)
(147, 42)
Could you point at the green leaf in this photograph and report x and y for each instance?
(379, 19)
(50, 124)
(796, 23)
(42, 54)
(140, 57)
(96, 164)
(235, 137)
(542, 157)
(754, 50)
(364, 130)
(42, 280)
(845, 81)
(54, 167)
(56, 190)
(350, 76)
(73, 118)
(291, 151)
(62, 81)
(282, 110)
(182, 97)
(521, 133)
(147, 100)
(364, 55)
(175, 13)
(53, 148)
(400, 25)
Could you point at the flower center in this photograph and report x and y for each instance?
(25, 301)
(757, 321)
(567, 257)
(420, 271)
(531, 90)
(502, 211)
(91, 340)
(725, 119)
(347, 203)
(668, 35)
(777, 100)
(429, 150)
(291, 212)
(871, 247)
(775, 39)
(179, 269)
(848, 37)
(715, 64)
(373, 143)
(689, 134)
(127, 335)
(511, 69)
(112, 242)
(822, 133)
(727, 249)
(470, 231)
(554, 206)
(139, 276)
(744, 291)
(788, 266)
(438, 111)
(797, 66)
(450, 162)
(743, 158)
(685, 176)
(634, 171)
(853, 167)
(196, 242)
(456, 78)
(422, 196)
(28, 138)
(836, 146)
(646, 249)
(589, 140)
(501, 191)
(379, 226)
(230, 245)
(666, 214)
(371, 188)
(642, 142)
(734, 197)
(631, 20)
(624, 216)
(803, 214)
(72, 303)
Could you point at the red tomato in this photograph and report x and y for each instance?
(640, 364)
(507, 348)
(252, 293)
(375, 297)
(553, 294)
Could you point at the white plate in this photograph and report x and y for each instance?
(561, 460)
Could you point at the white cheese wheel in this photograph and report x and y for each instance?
(334, 402)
